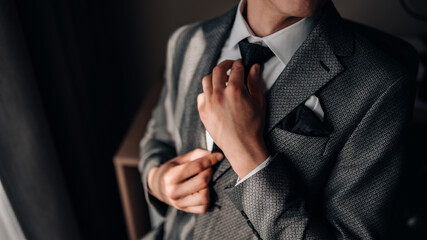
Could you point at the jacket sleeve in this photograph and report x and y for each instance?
(357, 198)
(158, 145)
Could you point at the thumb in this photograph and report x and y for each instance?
(216, 158)
(191, 156)
(255, 87)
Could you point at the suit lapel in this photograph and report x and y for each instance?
(309, 70)
(313, 65)
(215, 32)
(220, 169)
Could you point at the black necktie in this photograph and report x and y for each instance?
(251, 54)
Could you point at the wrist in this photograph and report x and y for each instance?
(247, 158)
(150, 178)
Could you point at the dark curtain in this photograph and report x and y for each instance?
(29, 169)
(81, 83)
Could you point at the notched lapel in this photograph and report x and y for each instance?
(309, 70)
(313, 65)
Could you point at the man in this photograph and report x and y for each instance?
(312, 136)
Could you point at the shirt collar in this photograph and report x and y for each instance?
(283, 43)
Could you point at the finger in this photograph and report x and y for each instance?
(196, 199)
(254, 82)
(192, 185)
(207, 84)
(237, 74)
(184, 171)
(196, 209)
(192, 155)
(219, 75)
(200, 101)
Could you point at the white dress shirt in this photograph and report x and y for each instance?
(283, 44)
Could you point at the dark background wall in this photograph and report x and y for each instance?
(91, 63)
(81, 54)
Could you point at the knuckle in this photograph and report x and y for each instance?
(235, 89)
(203, 209)
(198, 167)
(202, 183)
(217, 70)
(199, 150)
(236, 93)
(217, 97)
(232, 86)
(238, 62)
(205, 81)
(200, 99)
(205, 200)
(174, 195)
(177, 204)
(237, 66)
(170, 192)
(207, 178)
(168, 178)
(206, 78)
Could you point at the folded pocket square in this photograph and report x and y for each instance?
(302, 120)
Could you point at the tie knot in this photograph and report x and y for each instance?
(252, 54)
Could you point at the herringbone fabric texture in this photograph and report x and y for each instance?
(339, 186)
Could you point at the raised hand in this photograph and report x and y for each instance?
(234, 114)
(182, 182)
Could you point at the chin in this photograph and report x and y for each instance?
(298, 8)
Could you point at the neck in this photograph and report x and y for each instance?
(264, 20)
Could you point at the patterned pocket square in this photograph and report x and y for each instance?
(306, 119)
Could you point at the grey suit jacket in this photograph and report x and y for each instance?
(339, 186)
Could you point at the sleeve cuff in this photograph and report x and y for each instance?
(258, 168)
(159, 206)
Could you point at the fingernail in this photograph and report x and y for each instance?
(219, 156)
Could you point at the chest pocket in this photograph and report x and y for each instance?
(283, 141)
